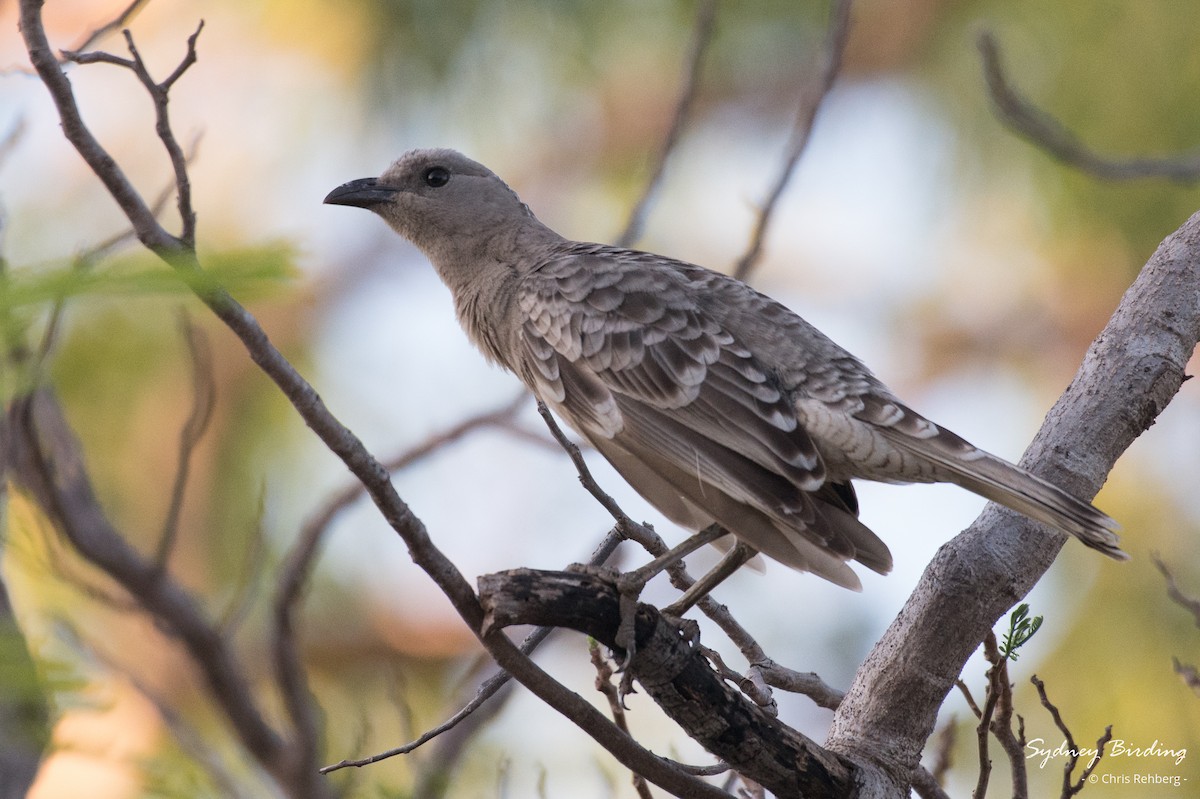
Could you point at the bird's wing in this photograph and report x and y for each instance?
(624, 351)
(863, 430)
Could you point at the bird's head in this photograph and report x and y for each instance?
(439, 200)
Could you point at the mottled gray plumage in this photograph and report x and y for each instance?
(714, 401)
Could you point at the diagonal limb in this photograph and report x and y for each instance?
(630, 584)
(734, 559)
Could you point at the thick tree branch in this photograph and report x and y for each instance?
(676, 675)
(1129, 374)
(45, 460)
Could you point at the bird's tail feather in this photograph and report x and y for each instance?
(1013, 487)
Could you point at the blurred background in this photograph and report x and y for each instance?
(969, 269)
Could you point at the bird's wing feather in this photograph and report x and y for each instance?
(627, 355)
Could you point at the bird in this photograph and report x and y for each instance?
(716, 403)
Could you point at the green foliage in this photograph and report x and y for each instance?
(1020, 629)
(23, 710)
(249, 273)
(27, 295)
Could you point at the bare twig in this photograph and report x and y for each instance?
(1001, 725)
(120, 21)
(751, 684)
(297, 568)
(995, 717)
(1188, 603)
(249, 577)
(204, 397)
(85, 260)
(997, 684)
(585, 474)
(966, 692)
(606, 686)
(436, 770)
(159, 92)
(1043, 130)
(1188, 673)
(701, 38)
(483, 693)
(1013, 745)
(812, 95)
(148, 231)
(943, 753)
(1101, 742)
(1069, 789)
(808, 683)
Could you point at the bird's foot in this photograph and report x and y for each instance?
(629, 589)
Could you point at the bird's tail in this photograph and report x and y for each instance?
(1013, 487)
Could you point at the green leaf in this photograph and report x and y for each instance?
(1020, 629)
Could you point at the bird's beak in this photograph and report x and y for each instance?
(361, 193)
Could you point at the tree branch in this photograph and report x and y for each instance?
(761, 665)
(118, 22)
(1188, 603)
(145, 226)
(676, 675)
(203, 401)
(1186, 672)
(1069, 789)
(1129, 374)
(46, 461)
(1036, 126)
(810, 101)
(159, 92)
(297, 568)
(701, 38)
(616, 705)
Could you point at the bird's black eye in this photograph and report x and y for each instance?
(436, 176)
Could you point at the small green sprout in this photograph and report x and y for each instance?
(1020, 629)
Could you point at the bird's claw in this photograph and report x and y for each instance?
(626, 637)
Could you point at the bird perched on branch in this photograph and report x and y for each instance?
(715, 402)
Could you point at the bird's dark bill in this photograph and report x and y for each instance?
(361, 193)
